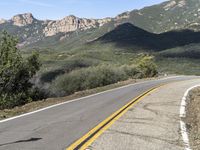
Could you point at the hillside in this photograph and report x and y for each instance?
(128, 35)
(170, 15)
(169, 31)
(167, 16)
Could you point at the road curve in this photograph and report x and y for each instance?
(58, 127)
(155, 123)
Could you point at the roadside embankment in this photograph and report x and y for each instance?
(193, 118)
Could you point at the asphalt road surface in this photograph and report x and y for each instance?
(58, 127)
(152, 124)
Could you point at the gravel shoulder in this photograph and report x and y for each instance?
(153, 123)
(193, 118)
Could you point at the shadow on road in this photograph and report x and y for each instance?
(22, 141)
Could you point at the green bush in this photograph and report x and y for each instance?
(86, 79)
(68, 67)
(98, 76)
(131, 71)
(147, 67)
(15, 73)
(38, 94)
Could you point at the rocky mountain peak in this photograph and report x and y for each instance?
(2, 21)
(23, 19)
(72, 23)
(70, 17)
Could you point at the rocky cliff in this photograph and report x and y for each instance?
(72, 23)
(52, 27)
(23, 19)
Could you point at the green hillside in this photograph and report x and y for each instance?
(168, 31)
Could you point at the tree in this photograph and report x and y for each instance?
(147, 66)
(15, 73)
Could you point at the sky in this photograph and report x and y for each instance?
(57, 9)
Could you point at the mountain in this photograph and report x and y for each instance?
(167, 16)
(31, 30)
(169, 31)
(170, 15)
(128, 35)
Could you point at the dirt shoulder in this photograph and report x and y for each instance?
(7, 113)
(193, 118)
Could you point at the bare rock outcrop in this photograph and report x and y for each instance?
(2, 21)
(72, 23)
(23, 19)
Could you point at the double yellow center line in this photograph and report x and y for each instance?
(88, 138)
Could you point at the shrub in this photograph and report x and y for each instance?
(68, 67)
(51, 75)
(15, 73)
(147, 67)
(131, 71)
(98, 76)
(38, 94)
(86, 79)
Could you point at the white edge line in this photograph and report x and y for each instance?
(184, 132)
(78, 99)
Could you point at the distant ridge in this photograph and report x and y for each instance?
(130, 35)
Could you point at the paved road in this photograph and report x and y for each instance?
(153, 124)
(58, 127)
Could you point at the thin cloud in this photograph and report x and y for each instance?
(36, 3)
